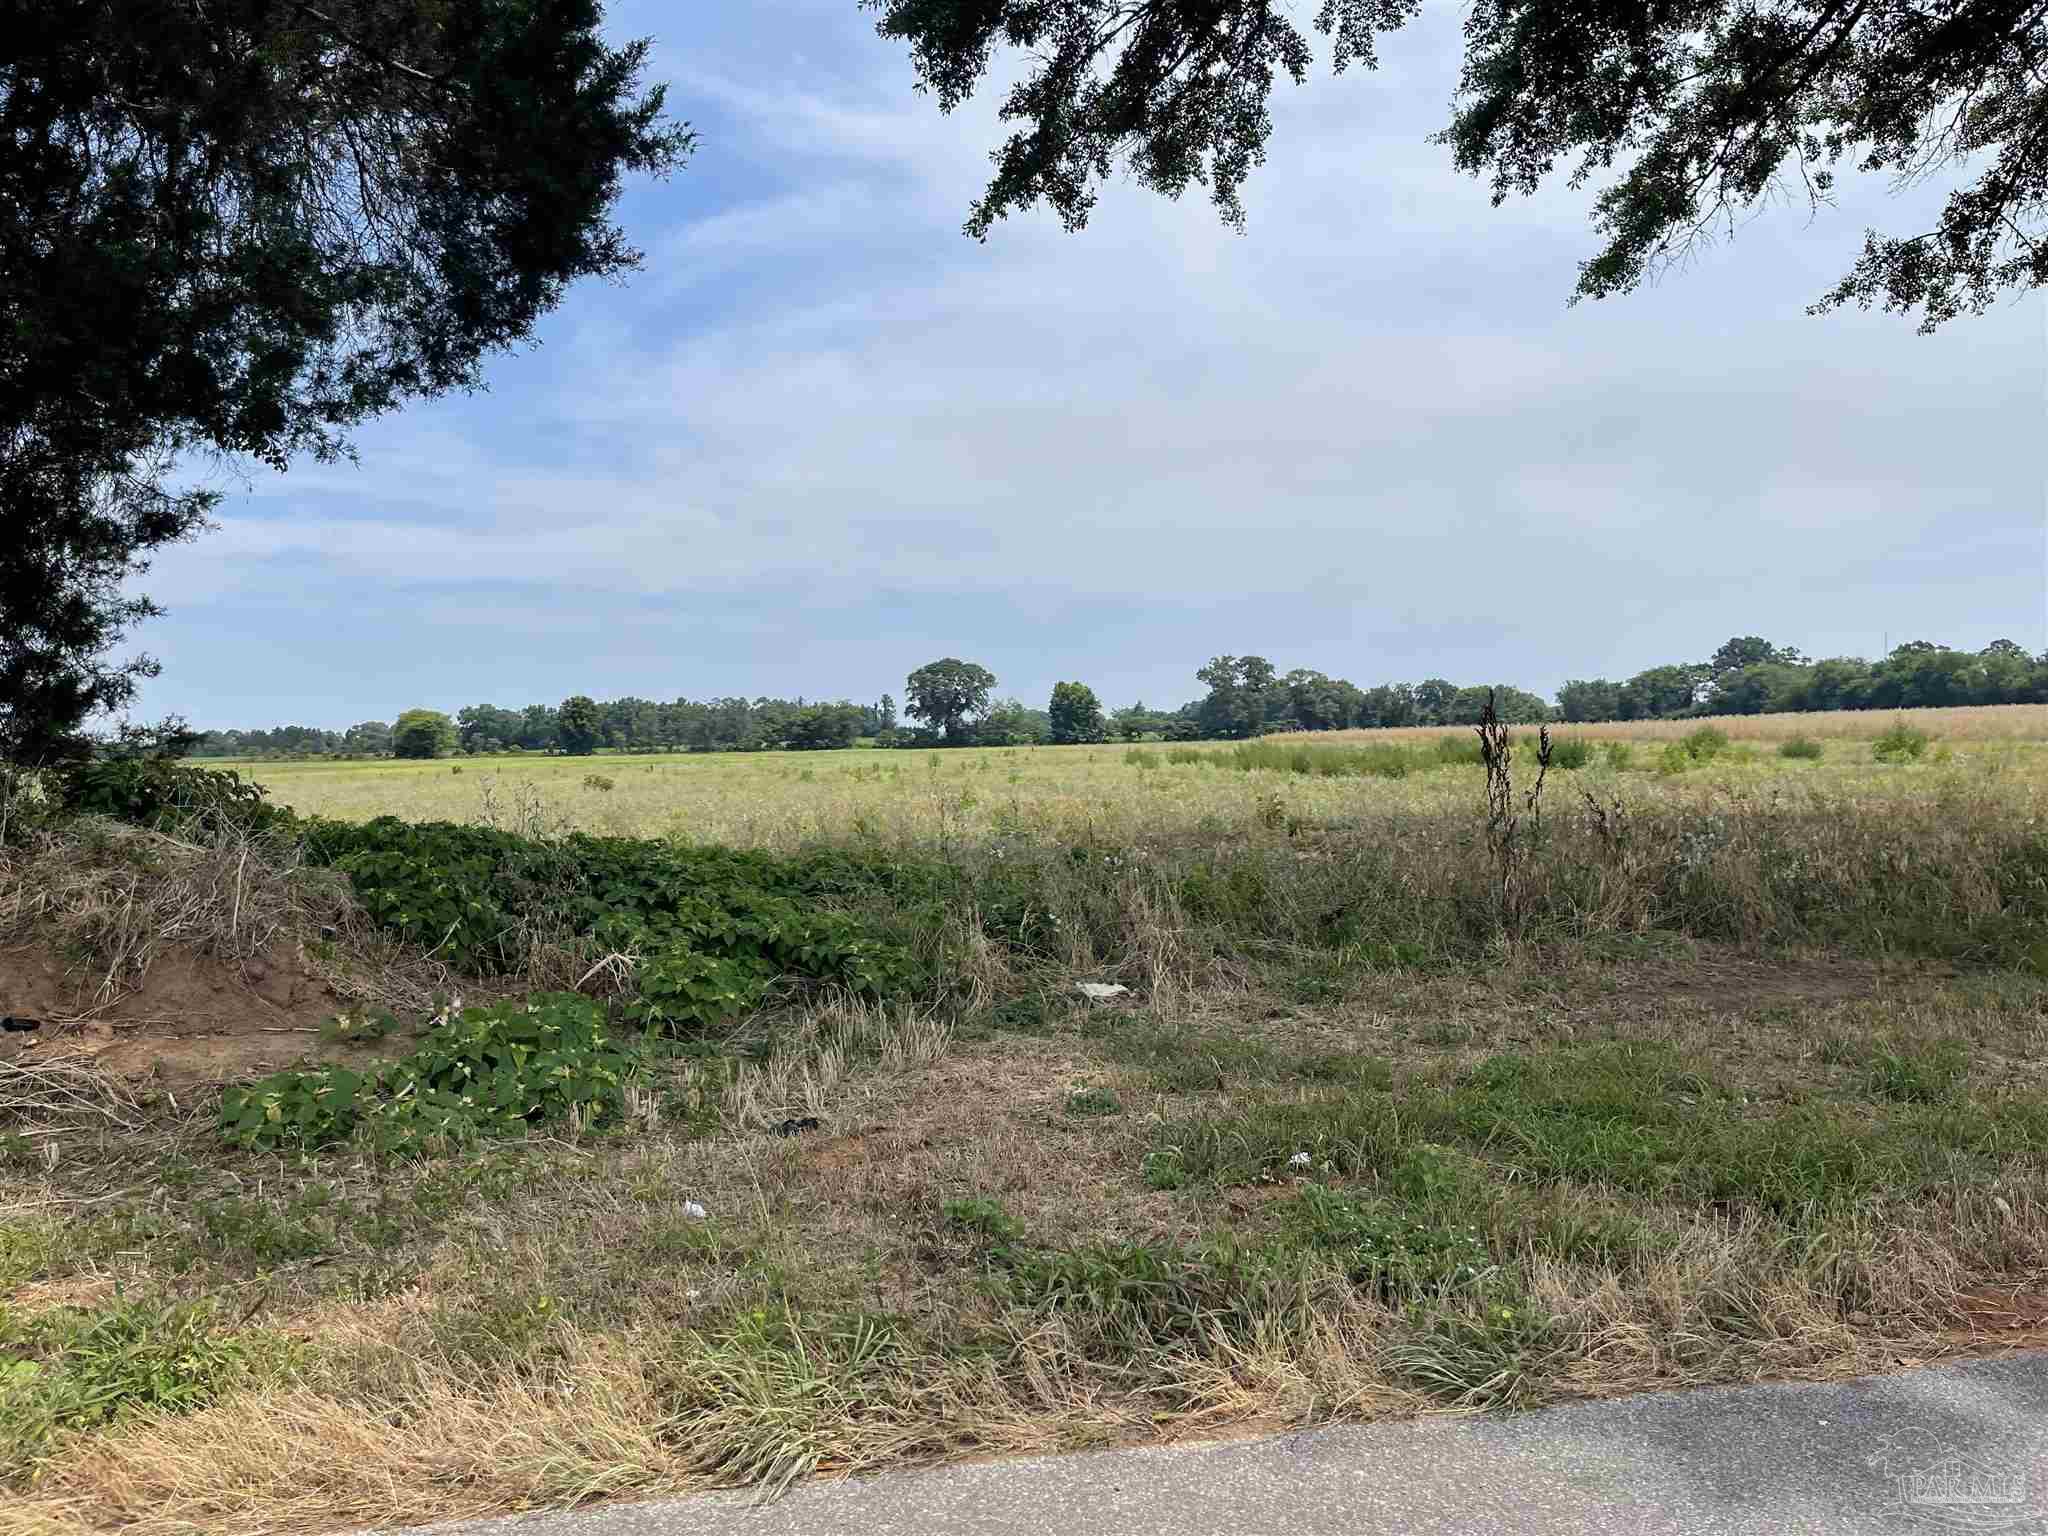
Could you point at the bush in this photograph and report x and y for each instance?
(1674, 758)
(1377, 760)
(160, 792)
(1185, 755)
(1141, 757)
(598, 782)
(1801, 747)
(1619, 754)
(1458, 749)
(1706, 743)
(1903, 743)
(1571, 752)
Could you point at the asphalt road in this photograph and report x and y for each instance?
(1947, 1448)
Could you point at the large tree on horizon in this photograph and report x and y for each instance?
(236, 229)
(944, 693)
(1685, 116)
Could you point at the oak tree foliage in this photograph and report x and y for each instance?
(1679, 115)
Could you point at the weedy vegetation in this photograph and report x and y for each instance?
(743, 1119)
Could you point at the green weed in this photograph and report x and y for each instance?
(69, 1369)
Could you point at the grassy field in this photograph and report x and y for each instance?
(1732, 1067)
(1971, 723)
(1151, 792)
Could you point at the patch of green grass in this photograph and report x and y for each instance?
(1321, 978)
(1322, 760)
(983, 1219)
(26, 1252)
(1183, 1061)
(1344, 1068)
(262, 1233)
(1032, 1013)
(1930, 1074)
(1400, 1250)
(1094, 1101)
(69, 1369)
(1630, 1118)
(1837, 1049)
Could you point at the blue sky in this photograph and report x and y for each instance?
(823, 437)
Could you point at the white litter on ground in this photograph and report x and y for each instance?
(694, 1211)
(1101, 991)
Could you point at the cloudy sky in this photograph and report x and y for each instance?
(824, 438)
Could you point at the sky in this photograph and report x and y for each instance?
(824, 437)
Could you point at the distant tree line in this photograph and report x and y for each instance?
(580, 725)
(952, 703)
(1751, 676)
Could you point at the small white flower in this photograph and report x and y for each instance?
(694, 1211)
(1299, 1160)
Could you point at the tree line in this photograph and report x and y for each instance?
(952, 703)
(1751, 676)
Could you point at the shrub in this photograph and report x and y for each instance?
(1141, 757)
(1674, 758)
(1571, 752)
(161, 792)
(1706, 743)
(1903, 743)
(1180, 756)
(1458, 749)
(599, 782)
(1376, 760)
(1801, 747)
(1619, 754)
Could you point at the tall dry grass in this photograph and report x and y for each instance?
(788, 800)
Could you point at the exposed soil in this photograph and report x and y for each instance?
(2001, 1318)
(191, 1017)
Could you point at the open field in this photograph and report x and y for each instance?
(1970, 723)
(1732, 1067)
(784, 800)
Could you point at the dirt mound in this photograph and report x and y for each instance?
(203, 956)
(190, 1016)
